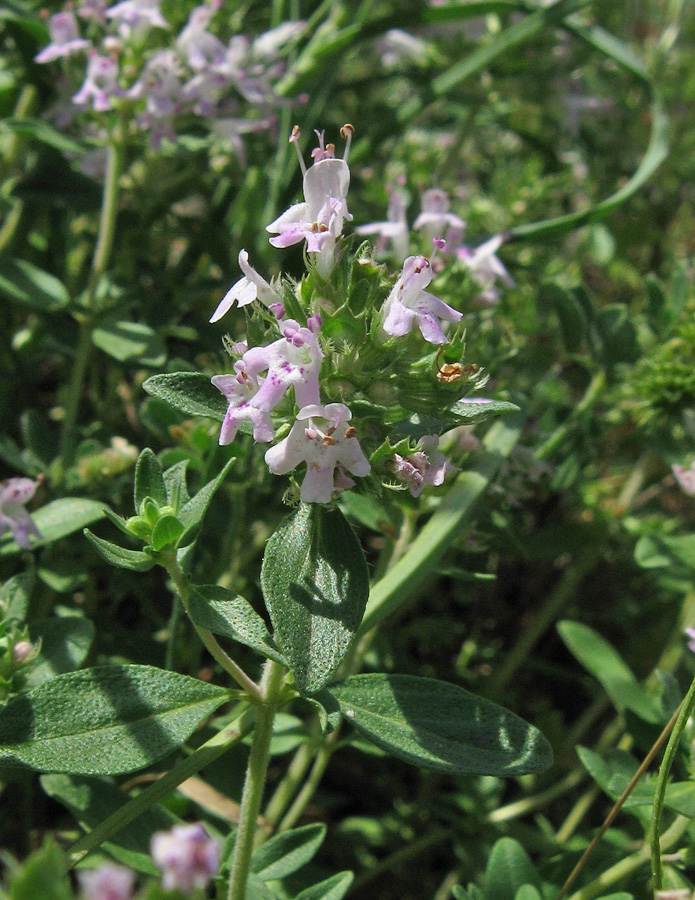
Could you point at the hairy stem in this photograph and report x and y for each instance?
(208, 639)
(254, 782)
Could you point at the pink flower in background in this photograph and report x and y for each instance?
(94, 10)
(685, 478)
(137, 16)
(65, 38)
(188, 857)
(100, 86)
(195, 43)
(394, 229)
(486, 268)
(249, 288)
(426, 466)
(106, 883)
(690, 634)
(435, 217)
(409, 302)
(322, 439)
(15, 493)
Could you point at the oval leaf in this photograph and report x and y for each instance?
(121, 557)
(104, 721)
(65, 643)
(221, 612)
(167, 531)
(285, 853)
(334, 888)
(607, 666)
(440, 726)
(131, 342)
(58, 519)
(149, 480)
(190, 392)
(315, 583)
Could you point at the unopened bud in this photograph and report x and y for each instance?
(22, 652)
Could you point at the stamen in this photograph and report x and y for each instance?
(346, 133)
(294, 139)
(350, 432)
(328, 441)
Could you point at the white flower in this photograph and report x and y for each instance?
(322, 439)
(395, 229)
(249, 288)
(319, 219)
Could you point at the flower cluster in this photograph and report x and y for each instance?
(325, 351)
(195, 72)
(435, 218)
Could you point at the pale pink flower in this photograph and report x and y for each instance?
(435, 217)
(15, 493)
(137, 16)
(187, 855)
(196, 44)
(319, 219)
(425, 466)
(409, 302)
(249, 288)
(240, 389)
(486, 268)
(100, 86)
(394, 229)
(106, 883)
(65, 38)
(685, 478)
(321, 438)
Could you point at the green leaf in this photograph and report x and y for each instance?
(613, 772)
(285, 853)
(14, 597)
(40, 130)
(618, 335)
(414, 570)
(104, 721)
(43, 875)
(570, 314)
(600, 659)
(166, 532)
(334, 888)
(92, 800)
(149, 480)
(26, 284)
(132, 342)
(191, 393)
(175, 483)
(649, 553)
(224, 613)
(440, 726)
(315, 582)
(682, 548)
(121, 557)
(527, 892)
(508, 869)
(469, 411)
(58, 519)
(191, 513)
(65, 643)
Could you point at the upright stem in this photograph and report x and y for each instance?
(225, 661)
(254, 783)
(684, 714)
(100, 261)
